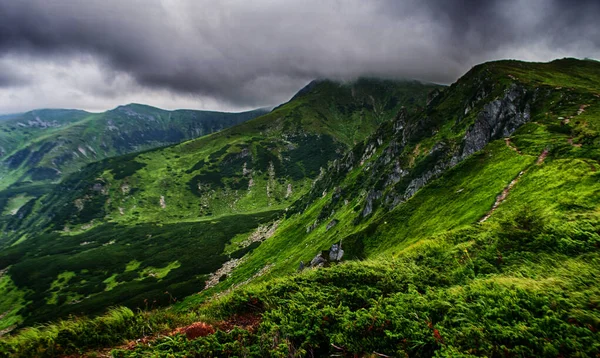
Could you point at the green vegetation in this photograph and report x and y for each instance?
(15, 203)
(116, 265)
(77, 335)
(518, 286)
(185, 203)
(470, 227)
(45, 145)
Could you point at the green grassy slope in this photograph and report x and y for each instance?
(70, 250)
(382, 172)
(542, 182)
(41, 147)
(470, 228)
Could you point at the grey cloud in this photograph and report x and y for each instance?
(241, 53)
(12, 80)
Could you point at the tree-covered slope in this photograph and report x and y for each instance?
(127, 229)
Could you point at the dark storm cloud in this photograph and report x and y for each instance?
(245, 53)
(8, 80)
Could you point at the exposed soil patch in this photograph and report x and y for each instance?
(194, 330)
(500, 198)
(511, 145)
(582, 109)
(570, 140)
(247, 321)
(542, 157)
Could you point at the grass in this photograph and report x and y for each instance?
(159, 272)
(11, 303)
(62, 280)
(461, 293)
(425, 277)
(89, 137)
(15, 203)
(510, 287)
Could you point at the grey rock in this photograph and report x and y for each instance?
(331, 224)
(301, 267)
(318, 261)
(336, 252)
(312, 227)
(499, 118)
(371, 197)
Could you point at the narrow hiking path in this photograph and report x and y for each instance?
(504, 194)
(500, 198)
(511, 145)
(542, 157)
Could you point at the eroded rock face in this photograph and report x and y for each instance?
(318, 261)
(499, 118)
(371, 197)
(393, 177)
(336, 252)
(331, 224)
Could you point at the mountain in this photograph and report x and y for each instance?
(467, 225)
(43, 146)
(124, 230)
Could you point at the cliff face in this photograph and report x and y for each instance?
(498, 118)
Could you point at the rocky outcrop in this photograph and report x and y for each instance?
(325, 258)
(499, 118)
(371, 197)
(393, 176)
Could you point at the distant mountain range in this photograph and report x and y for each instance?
(43, 146)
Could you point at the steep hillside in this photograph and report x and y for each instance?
(501, 129)
(125, 230)
(471, 227)
(478, 218)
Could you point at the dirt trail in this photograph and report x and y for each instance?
(542, 157)
(582, 109)
(511, 145)
(570, 140)
(500, 198)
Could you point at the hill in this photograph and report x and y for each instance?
(469, 227)
(125, 230)
(41, 147)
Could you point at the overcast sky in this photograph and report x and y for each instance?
(235, 55)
